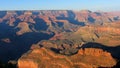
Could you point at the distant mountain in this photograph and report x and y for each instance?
(56, 20)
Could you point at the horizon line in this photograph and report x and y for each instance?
(57, 10)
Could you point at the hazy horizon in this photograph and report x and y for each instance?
(94, 5)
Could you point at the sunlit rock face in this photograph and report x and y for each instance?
(87, 58)
(64, 32)
(26, 64)
(23, 28)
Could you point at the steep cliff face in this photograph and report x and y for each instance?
(93, 57)
(94, 52)
(107, 35)
(87, 58)
(27, 64)
(64, 19)
(57, 21)
(20, 29)
(45, 59)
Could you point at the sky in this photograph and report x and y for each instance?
(94, 5)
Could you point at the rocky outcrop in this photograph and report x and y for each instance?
(23, 28)
(57, 21)
(53, 16)
(108, 34)
(93, 57)
(45, 58)
(67, 26)
(94, 52)
(26, 64)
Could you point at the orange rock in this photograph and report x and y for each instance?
(24, 27)
(44, 58)
(27, 64)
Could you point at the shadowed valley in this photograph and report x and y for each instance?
(59, 39)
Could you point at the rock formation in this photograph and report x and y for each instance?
(24, 28)
(45, 58)
(63, 31)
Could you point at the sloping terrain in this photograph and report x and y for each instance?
(67, 33)
(43, 58)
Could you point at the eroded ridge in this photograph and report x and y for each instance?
(85, 58)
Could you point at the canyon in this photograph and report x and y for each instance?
(60, 38)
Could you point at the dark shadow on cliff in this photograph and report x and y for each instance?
(71, 18)
(117, 65)
(19, 44)
(40, 24)
(2, 13)
(115, 51)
